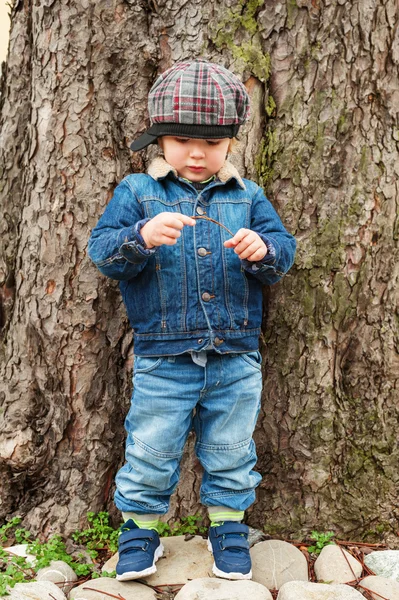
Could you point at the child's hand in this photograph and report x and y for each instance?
(247, 244)
(164, 229)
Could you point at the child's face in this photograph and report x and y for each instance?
(193, 158)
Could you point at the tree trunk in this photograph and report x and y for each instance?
(329, 431)
(323, 140)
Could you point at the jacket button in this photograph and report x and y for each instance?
(202, 251)
(200, 341)
(200, 211)
(218, 341)
(206, 297)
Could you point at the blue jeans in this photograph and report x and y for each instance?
(171, 394)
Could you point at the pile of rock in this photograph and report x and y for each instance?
(187, 567)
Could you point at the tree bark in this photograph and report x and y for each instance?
(322, 139)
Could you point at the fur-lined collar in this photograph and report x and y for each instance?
(159, 168)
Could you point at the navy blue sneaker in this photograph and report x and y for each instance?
(139, 550)
(230, 548)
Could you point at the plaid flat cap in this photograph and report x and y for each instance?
(195, 99)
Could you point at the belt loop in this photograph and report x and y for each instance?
(171, 359)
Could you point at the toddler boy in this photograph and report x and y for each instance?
(191, 243)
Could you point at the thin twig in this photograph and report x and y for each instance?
(231, 233)
(372, 592)
(345, 543)
(340, 542)
(216, 222)
(27, 570)
(118, 597)
(307, 558)
(158, 588)
(350, 566)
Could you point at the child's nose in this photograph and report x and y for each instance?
(196, 152)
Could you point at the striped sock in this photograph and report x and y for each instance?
(142, 521)
(219, 514)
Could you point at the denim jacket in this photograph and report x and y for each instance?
(195, 294)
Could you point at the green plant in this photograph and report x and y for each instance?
(55, 549)
(191, 525)
(20, 535)
(100, 536)
(13, 569)
(16, 569)
(321, 539)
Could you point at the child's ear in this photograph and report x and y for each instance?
(232, 145)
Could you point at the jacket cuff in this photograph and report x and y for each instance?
(267, 261)
(132, 245)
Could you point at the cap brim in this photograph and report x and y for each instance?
(185, 130)
(143, 141)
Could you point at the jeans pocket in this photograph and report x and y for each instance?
(146, 364)
(253, 358)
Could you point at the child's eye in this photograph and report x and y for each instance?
(213, 142)
(181, 140)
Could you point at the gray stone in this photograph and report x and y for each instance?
(384, 563)
(78, 552)
(36, 590)
(181, 561)
(332, 566)
(129, 590)
(21, 550)
(306, 590)
(388, 588)
(219, 589)
(275, 562)
(255, 536)
(59, 573)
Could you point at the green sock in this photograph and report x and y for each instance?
(142, 521)
(219, 514)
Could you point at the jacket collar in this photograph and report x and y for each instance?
(159, 168)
